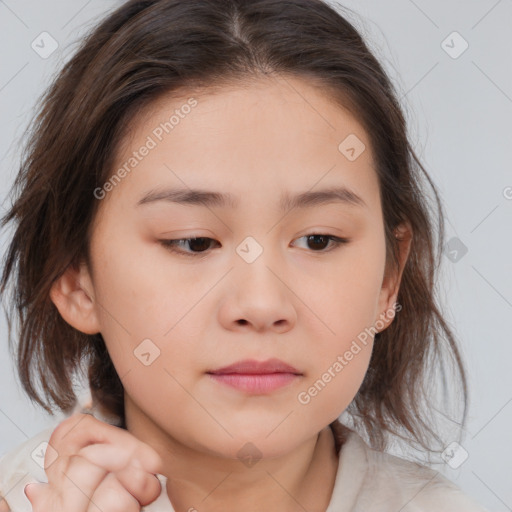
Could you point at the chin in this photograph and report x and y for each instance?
(245, 446)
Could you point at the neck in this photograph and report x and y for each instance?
(198, 480)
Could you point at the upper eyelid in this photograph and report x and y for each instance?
(316, 233)
(333, 239)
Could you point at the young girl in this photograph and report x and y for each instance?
(221, 218)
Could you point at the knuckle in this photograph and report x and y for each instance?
(76, 460)
(111, 496)
(62, 435)
(62, 467)
(153, 461)
(56, 434)
(75, 420)
(139, 482)
(60, 431)
(59, 466)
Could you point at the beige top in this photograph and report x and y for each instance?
(366, 481)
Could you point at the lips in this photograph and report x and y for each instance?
(253, 367)
(256, 377)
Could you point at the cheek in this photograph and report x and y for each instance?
(340, 351)
(141, 298)
(343, 293)
(328, 393)
(144, 289)
(347, 305)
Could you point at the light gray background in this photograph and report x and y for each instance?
(459, 110)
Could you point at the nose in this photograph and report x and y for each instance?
(258, 297)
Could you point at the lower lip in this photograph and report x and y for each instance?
(256, 383)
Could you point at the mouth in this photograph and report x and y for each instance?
(255, 377)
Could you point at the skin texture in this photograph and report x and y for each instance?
(302, 304)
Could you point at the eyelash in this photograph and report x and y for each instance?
(171, 244)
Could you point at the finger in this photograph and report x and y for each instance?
(34, 492)
(83, 430)
(137, 477)
(111, 496)
(143, 486)
(114, 458)
(72, 482)
(80, 430)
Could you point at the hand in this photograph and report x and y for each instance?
(99, 467)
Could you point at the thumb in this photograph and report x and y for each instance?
(33, 490)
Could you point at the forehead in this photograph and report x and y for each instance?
(257, 139)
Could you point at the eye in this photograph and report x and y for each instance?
(200, 245)
(319, 241)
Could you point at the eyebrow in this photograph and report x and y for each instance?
(197, 197)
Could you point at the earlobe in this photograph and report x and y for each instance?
(73, 296)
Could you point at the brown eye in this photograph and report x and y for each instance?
(197, 245)
(319, 242)
(200, 246)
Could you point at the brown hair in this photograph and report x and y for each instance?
(147, 48)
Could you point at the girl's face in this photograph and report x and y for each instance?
(254, 286)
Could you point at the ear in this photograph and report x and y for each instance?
(393, 277)
(73, 296)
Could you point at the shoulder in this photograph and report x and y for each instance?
(419, 488)
(390, 483)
